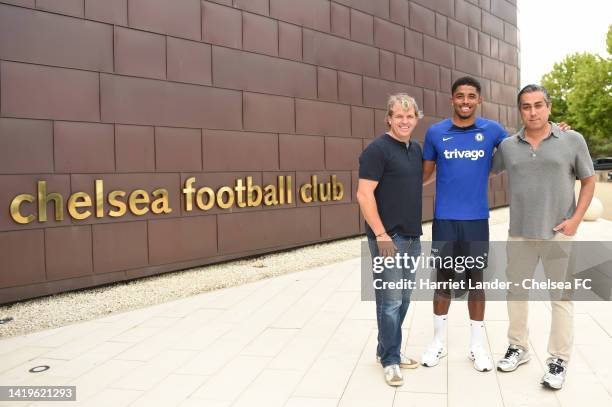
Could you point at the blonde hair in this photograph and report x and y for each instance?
(406, 102)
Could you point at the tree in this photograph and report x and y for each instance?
(561, 81)
(609, 39)
(581, 93)
(590, 102)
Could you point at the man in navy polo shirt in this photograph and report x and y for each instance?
(460, 150)
(389, 194)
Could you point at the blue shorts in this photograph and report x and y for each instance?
(461, 238)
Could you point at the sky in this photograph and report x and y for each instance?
(552, 29)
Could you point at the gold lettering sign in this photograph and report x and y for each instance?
(161, 202)
(121, 207)
(79, 200)
(210, 200)
(27, 208)
(137, 198)
(16, 209)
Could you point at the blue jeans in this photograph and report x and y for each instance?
(392, 304)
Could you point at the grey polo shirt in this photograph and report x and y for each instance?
(541, 181)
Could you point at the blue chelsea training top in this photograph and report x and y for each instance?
(463, 157)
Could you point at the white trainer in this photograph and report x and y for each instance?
(393, 375)
(555, 376)
(482, 360)
(513, 358)
(433, 354)
(405, 361)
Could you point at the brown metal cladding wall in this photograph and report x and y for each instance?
(146, 93)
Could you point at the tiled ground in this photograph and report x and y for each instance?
(299, 340)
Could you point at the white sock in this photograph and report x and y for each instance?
(439, 328)
(477, 328)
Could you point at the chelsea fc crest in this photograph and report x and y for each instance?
(479, 137)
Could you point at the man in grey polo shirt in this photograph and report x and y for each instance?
(542, 164)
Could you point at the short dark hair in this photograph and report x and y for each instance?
(533, 88)
(465, 80)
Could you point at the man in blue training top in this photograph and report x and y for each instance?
(460, 150)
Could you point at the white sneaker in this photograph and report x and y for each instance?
(513, 358)
(555, 376)
(482, 360)
(405, 361)
(433, 354)
(393, 375)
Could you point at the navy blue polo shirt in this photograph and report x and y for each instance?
(398, 169)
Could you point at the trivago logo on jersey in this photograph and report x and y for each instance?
(470, 154)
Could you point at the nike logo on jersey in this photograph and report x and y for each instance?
(471, 154)
(446, 138)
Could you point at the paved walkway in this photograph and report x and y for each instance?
(299, 340)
